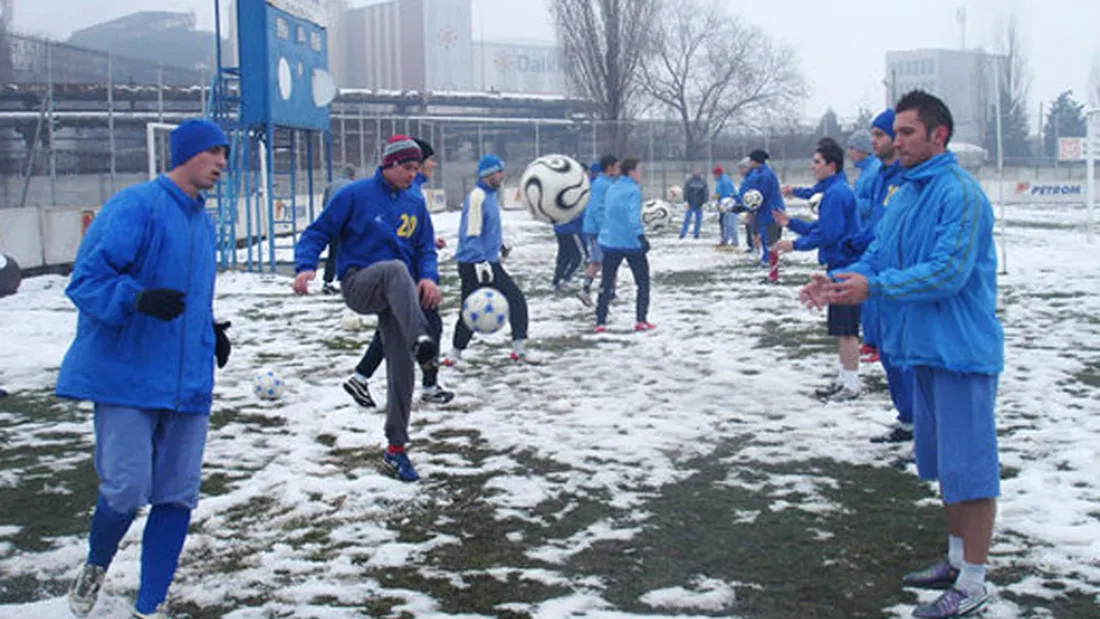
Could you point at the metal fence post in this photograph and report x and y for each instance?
(111, 118)
(50, 124)
(160, 93)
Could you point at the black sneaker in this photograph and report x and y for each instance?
(359, 392)
(898, 434)
(829, 390)
(328, 288)
(436, 395)
(426, 351)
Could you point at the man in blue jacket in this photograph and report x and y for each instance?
(384, 236)
(724, 189)
(886, 182)
(933, 269)
(478, 258)
(861, 153)
(622, 237)
(144, 353)
(593, 220)
(837, 219)
(357, 385)
(571, 252)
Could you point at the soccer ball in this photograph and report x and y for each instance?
(815, 201)
(485, 310)
(753, 199)
(725, 205)
(656, 215)
(554, 188)
(675, 193)
(351, 321)
(268, 386)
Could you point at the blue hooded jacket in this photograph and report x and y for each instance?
(622, 223)
(885, 183)
(868, 170)
(593, 213)
(724, 187)
(837, 219)
(933, 270)
(480, 232)
(764, 180)
(373, 222)
(151, 235)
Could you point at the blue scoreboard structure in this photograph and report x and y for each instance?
(284, 64)
(274, 107)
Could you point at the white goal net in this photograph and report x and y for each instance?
(158, 149)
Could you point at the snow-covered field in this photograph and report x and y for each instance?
(687, 471)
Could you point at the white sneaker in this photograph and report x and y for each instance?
(84, 591)
(845, 394)
(159, 613)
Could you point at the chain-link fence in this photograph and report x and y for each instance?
(73, 122)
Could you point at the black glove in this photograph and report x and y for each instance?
(162, 303)
(504, 251)
(222, 347)
(644, 241)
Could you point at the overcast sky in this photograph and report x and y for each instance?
(841, 45)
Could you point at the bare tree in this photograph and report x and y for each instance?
(604, 45)
(1015, 86)
(710, 68)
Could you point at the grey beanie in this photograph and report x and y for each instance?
(861, 140)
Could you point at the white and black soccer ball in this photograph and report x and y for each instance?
(675, 193)
(268, 385)
(555, 188)
(815, 201)
(726, 205)
(351, 321)
(485, 310)
(656, 215)
(753, 199)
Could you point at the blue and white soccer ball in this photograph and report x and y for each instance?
(268, 385)
(485, 310)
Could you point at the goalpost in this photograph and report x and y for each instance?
(157, 148)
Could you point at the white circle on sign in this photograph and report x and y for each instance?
(324, 88)
(286, 80)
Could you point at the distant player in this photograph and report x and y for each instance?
(622, 237)
(593, 219)
(861, 151)
(838, 218)
(478, 257)
(385, 237)
(767, 232)
(695, 195)
(724, 190)
(933, 269)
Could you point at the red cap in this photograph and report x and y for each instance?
(717, 169)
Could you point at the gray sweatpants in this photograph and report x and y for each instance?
(387, 290)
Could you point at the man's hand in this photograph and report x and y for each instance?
(781, 218)
(783, 247)
(849, 289)
(301, 282)
(787, 190)
(440, 242)
(813, 295)
(430, 297)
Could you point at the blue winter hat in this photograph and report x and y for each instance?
(595, 168)
(488, 165)
(194, 136)
(885, 122)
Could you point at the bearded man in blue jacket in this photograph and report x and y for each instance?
(933, 269)
(144, 353)
(384, 235)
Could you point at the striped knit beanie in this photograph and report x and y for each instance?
(400, 149)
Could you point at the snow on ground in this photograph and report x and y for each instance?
(684, 471)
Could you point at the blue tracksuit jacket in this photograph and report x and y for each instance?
(373, 222)
(622, 223)
(151, 235)
(933, 269)
(837, 219)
